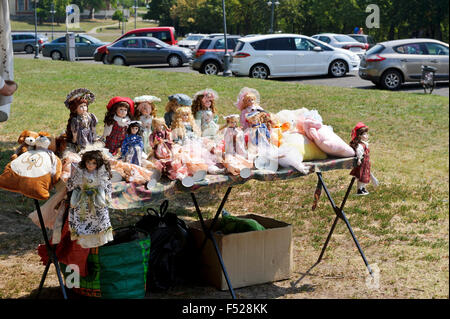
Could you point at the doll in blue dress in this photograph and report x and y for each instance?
(133, 145)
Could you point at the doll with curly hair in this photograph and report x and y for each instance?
(90, 183)
(247, 102)
(117, 118)
(81, 126)
(175, 101)
(203, 101)
(145, 112)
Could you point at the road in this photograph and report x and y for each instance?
(351, 80)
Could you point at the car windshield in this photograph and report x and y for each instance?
(194, 37)
(92, 39)
(161, 43)
(344, 38)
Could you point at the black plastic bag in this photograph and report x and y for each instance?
(169, 262)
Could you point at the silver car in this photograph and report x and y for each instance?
(389, 64)
(25, 41)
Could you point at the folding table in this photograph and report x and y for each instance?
(128, 196)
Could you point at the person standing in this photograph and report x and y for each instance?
(7, 84)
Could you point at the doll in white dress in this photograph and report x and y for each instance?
(205, 100)
(145, 112)
(90, 184)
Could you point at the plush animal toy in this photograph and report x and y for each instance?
(34, 172)
(27, 140)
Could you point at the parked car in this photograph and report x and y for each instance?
(342, 41)
(282, 55)
(26, 41)
(391, 63)
(165, 34)
(146, 50)
(85, 45)
(364, 38)
(208, 56)
(191, 40)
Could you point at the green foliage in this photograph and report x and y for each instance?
(398, 18)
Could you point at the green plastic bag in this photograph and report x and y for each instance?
(232, 224)
(116, 271)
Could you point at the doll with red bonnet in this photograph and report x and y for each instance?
(117, 118)
(360, 143)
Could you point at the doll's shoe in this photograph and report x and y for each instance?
(199, 175)
(187, 181)
(362, 191)
(245, 172)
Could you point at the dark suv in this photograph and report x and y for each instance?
(208, 55)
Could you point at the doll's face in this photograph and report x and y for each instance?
(82, 109)
(122, 111)
(249, 100)
(365, 137)
(232, 123)
(185, 117)
(207, 100)
(145, 108)
(91, 165)
(134, 129)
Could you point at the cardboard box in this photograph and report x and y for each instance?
(250, 258)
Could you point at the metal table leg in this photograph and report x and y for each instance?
(51, 255)
(209, 235)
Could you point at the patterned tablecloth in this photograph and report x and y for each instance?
(129, 196)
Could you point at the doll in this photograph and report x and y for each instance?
(90, 184)
(132, 145)
(235, 154)
(204, 100)
(209, 127)
(145, 111)
(184, 126)
(247, 102)
(116, 121)
(360, 143)
(81, 125)
(175, 101)
(260, 149)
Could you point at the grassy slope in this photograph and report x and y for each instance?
(402, 225)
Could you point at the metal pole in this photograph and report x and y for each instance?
(36, 46)
(226, 57)
(271, 17)
(52, 11)
(135, 12)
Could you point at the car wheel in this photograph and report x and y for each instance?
(104, 59)
(391, 80)
(174, 61)
(210, 68)
(118, 61)
(29, 49)
(259, 71)
(56, 55)
(338, 68)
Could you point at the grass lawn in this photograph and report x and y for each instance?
(402, 226)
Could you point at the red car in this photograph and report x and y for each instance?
(165, 34)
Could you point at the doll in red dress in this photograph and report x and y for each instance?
(117, 118)
(360, 143)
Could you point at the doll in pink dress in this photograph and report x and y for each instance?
(117, 118)
(235, 154)
(247, 102)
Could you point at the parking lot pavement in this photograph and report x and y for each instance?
(351, 80)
